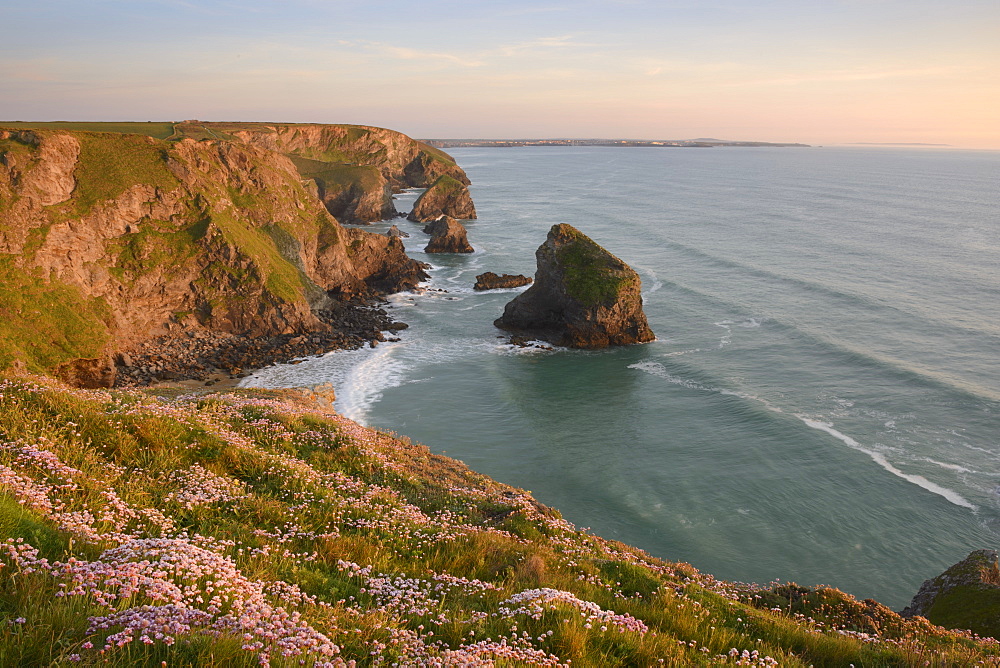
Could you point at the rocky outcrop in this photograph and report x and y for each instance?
(384, 262)
(108, 240)
(351, 193)
(583, 296)
(394, 231)
(491, 281)
(445, 197)
(355, 168)
(966, 596)
(403, 161)
(447, 236)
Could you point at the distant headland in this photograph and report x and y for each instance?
(640, 143)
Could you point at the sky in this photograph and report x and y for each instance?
(817, 72)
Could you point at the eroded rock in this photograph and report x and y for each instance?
(583, 296)
(447, 196)
(491, 281)
(447, 236)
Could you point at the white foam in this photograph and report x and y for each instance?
(368, 379)
(660, 371)
(657, 369)
(727, 338)
(879, 459)
(950, 467)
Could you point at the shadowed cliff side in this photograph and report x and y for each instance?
(445, 197)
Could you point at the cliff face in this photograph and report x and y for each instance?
(582, 297)
(356, 168)
(107, 240)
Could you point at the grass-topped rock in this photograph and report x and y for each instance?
(583, 296)
(966, 596)
(447, 196)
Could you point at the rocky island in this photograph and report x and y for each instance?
(447, 236)
(492, 281)
(582, 297)
(447, 196)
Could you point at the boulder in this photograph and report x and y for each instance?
(396, 232)
(583, 296)
(966, 596)
(491, 281)
(90, 373)
(447, 236)
(447, 196)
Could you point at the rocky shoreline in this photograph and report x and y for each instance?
(208, 356)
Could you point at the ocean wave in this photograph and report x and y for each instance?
(656, 369)
(880, 459)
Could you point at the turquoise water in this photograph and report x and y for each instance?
(822, 403)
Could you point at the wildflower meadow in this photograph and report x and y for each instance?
(252, 528)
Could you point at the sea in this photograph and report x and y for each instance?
(821, 404)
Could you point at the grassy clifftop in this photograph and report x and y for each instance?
(253, 527)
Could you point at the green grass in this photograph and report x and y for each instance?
(968, 607)
(155, 129)
(338, 176)
(303, 494)
(149, 248)
(110, 164)
(46, 323)
(593, 276)
(282, 279)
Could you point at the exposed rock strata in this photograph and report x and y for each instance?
(355, 168)
(446, 197)
(447, 236)
(180, 237)
(491, 281)
(966, 596)
(583, 296)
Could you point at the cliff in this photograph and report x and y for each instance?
(109, 240)
(356, 168)
(582, 297)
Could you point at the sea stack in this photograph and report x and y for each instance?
(447, 196)
(447, 236)
(583, 296)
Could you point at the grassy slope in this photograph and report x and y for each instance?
(149, 129)
(222, 529)
(593, 276)
(45, 324)
(338, 176)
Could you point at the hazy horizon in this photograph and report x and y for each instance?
(820, 73)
